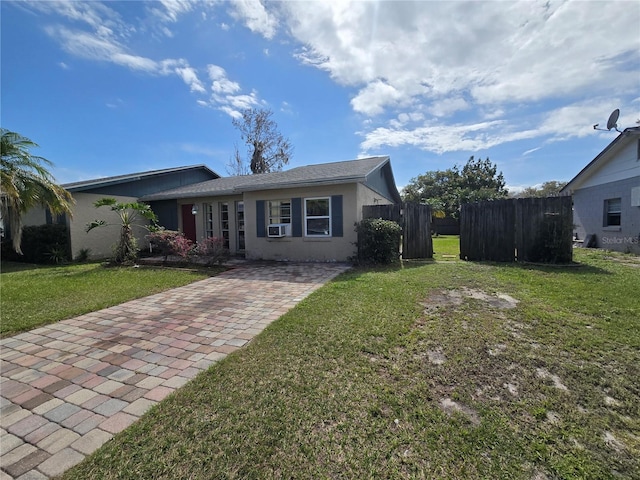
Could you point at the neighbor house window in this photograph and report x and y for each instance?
(317, 217)
(279, 211)
(612, 211)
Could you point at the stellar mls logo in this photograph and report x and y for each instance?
(620, 240)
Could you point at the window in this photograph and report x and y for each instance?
(612, 211)
(224, 223)
(240, 224)
(317, 217)
(208, 220)
(279, 211)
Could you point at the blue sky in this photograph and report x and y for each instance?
(108, 88)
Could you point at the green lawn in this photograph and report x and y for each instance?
(446, 247)
(429, 370)
(32, 295)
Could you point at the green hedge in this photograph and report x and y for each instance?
(45, 244)
(378, 241)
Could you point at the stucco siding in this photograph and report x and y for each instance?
(100, 240)
(589, 215)
(366, 196)
(303, 248)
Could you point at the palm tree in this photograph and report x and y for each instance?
(126, 250)
(25, 183)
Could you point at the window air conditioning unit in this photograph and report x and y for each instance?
(277, 230)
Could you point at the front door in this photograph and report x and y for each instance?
(188, 222)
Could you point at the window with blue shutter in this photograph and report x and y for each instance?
(296, 217)
(336, 216)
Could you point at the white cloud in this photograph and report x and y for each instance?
(375, 97)
(473, 65)
(447, 106)
(530, 151)
(172, 9)
(225, 93)
(255, 16)
(220, 83)
(190, 77)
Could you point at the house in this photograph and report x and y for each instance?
(303, 214)
(606, 195)
(125, 189)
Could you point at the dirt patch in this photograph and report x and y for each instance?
(453, 298)
(512, 388)
(613, 442)
(436, 357)
(542, 373)
(450, 407)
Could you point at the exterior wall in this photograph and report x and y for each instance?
(624, 163)
(100, 240)
(366, 196)
(201, 220)
(588, 215)
(334, 249)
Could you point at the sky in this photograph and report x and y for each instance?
(110, 88)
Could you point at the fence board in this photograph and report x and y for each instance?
(417, 231)
(525, 229)
(415, 220)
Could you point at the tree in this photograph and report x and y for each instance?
(268, 149)
(126, 250)
(446, 190)
(26, 183)
(547, 189)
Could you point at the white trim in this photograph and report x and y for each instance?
(328, 217)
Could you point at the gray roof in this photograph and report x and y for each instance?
(602, 157)
(351, 171)
(100, 182)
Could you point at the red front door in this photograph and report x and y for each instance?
(188, 222)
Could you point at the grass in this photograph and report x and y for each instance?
(37, 295)
(416, 372)
(446, 247)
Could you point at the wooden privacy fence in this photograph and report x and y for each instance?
(519, 229)
(415, 220)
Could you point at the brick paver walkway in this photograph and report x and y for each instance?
(68, 387)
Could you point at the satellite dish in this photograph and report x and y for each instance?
(611, 123)
(613, 120)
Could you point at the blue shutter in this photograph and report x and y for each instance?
(336, 216)
(261, 230)
(296, 217)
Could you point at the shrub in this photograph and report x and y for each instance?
(170, 242)
(83, 255)
(45, 244)
(378, 241)
(212, 249)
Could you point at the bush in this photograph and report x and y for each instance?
(378, 241)
(170, 242)
(212, 249)
(45, 244)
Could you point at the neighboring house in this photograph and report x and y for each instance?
(302, 214)
(606, 195)
(125, 189)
